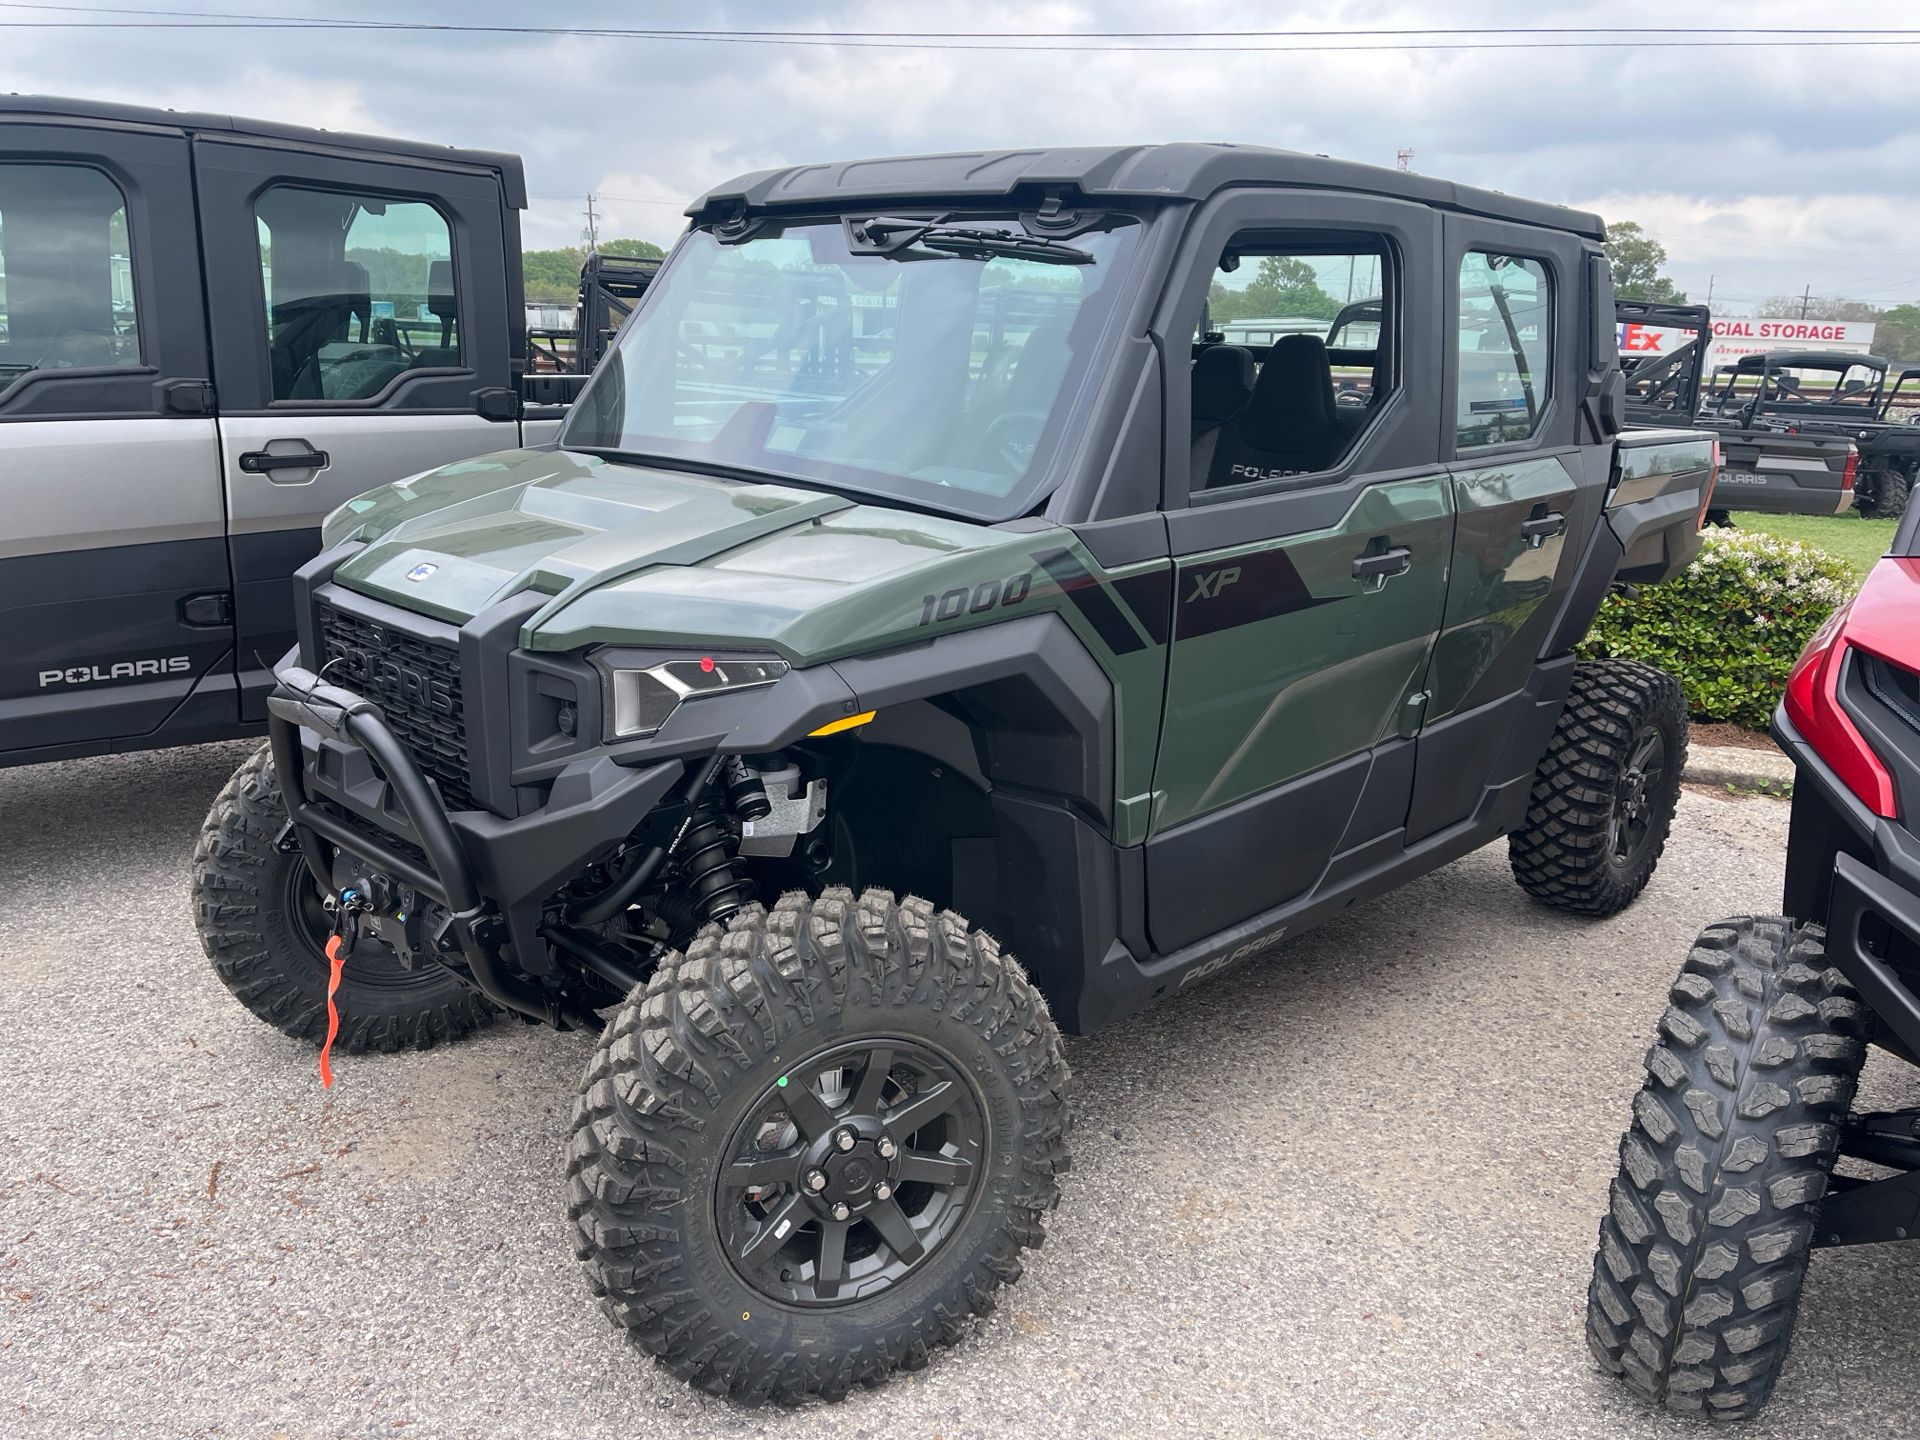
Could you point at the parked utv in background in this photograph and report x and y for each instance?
(914, 555)
(1763, 466)
(212, 332)
(1727, 1175)
(1823, 397)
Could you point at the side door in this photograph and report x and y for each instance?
(1522, 484)
(360, 329)
(1310, 526)
(113, 567)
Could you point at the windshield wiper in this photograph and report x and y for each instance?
(882, 236)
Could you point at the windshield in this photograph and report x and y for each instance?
(945, 379)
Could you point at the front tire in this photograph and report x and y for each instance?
(1605, 793)
(810, 1148)
(260, 922)
(1734, 1133)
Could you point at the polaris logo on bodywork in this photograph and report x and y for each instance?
(1255, 946)
(421, 571)
(119, 670)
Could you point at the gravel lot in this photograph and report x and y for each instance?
(1352, 1191)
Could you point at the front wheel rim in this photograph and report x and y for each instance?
(851, 1171)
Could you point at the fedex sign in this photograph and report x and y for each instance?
(1741, 335)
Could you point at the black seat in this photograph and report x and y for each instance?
(1289, 425)
(1222, 385)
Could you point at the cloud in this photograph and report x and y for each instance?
(1764, 169)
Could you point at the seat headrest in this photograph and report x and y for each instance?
(441, 298)
(1222, 383)
(1293, 398)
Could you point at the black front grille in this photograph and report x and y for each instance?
(416, 684)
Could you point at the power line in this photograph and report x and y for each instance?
(1397, 39)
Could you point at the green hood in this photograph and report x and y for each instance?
(634, 555)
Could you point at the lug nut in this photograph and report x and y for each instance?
(816, 1180)
(886, 1148)
(882, 1190)
(841, 1212)
(845, 1139)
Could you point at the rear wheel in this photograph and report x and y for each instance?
(1886, 498)
(1734, 1133)
(261, 923)
(1605, 792)
(815, 1144)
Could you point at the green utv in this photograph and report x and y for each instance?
(919, 552)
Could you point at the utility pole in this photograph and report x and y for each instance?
(1806, 299)
(1710, 280)
(1405, 159)
(593, 232)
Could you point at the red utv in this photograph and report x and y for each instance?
(1728, 1178)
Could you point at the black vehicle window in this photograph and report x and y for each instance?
(1289, 368)
(66, 278)
(1505, 349)
(359, 291)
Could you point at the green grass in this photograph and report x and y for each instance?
(1857, 541)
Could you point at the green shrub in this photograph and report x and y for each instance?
(1730, 626)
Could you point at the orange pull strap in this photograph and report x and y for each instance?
(336, 957)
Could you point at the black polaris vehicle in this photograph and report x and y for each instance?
(1765, 466)
(1823, 398)
(1745, 1154)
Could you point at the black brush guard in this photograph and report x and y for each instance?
(509, 851)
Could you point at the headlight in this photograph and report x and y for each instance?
(641, 698)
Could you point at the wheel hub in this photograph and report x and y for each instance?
(851, 1175)
(1633, 812)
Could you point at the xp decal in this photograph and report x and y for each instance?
(119, 670)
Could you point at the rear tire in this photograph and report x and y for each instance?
(1887, 498)
(1605, 792)
(718, 1097)
(1734, 1133)
(258, 914)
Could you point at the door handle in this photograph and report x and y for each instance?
(1543, 528)
(265, 462)
(1384, 566)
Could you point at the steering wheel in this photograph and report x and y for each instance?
(1011, 437)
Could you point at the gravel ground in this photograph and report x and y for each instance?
(1352, 1191)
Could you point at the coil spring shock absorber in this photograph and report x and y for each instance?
(707, 844)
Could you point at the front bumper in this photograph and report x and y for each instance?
(351, 786)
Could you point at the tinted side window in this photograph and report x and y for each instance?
(1505, 348)
(66, 277)
(1290, 369)
(359, 291)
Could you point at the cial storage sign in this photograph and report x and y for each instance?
(1738, 335)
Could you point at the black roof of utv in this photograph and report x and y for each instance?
(1190, 172)
(1809, 360)
(56, 109)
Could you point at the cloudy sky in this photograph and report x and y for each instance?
(1762, 169)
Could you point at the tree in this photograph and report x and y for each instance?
(1636, 258)
(1816, 307)
(1898, 335)
(1284, 286)
(637, 249)
(553, 276)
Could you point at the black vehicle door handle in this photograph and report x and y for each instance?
(1383, 566)
(1543, 528)
(264, 462)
